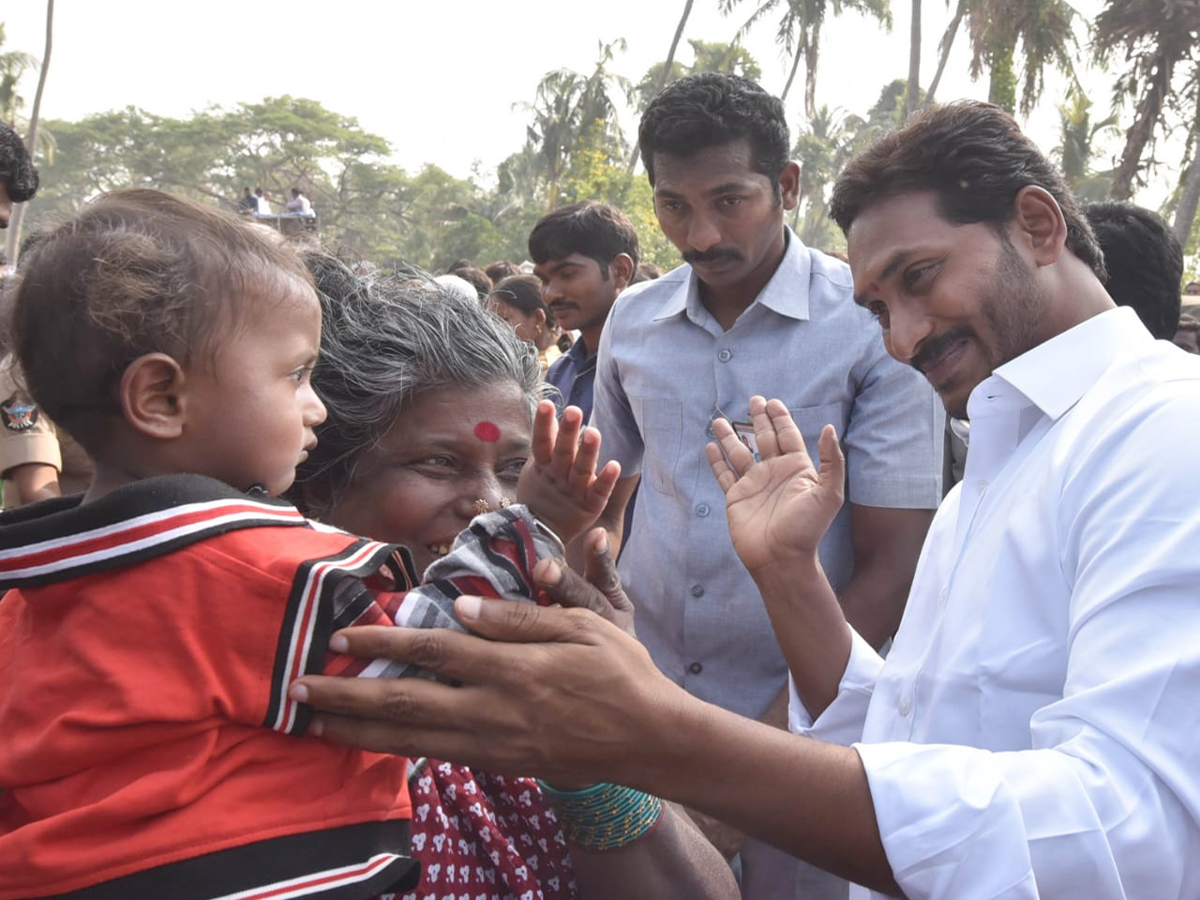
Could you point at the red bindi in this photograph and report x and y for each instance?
(487, 431)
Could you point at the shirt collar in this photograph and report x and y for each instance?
(1055, 374)
(577, 353)
(780, 294)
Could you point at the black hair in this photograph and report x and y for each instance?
(16, 166)
(523, 293)
(1144, 262)
(974, 158)
(711, 109)
(595, 230)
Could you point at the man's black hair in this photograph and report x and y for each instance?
(595, 230)
(16, 166)
(711, 109)
(1144, 262)
(975, 160)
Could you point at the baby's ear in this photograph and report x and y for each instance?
(152, 396)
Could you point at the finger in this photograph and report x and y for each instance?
(393, 699)
(832, 474)
(602, 487)
(726, 477)
(600, 570)
(570, 589)
(567, 444)
(737, 454)
(787, 435)
(516, 622)
(764, 430)
(583, 471)
(545, 430)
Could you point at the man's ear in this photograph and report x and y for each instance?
(1040, 224)
(789, 185)
(621, 267)
(152, 396)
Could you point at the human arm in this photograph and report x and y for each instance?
(778, 511)
(33, 482)
(567, 696)
(673, 862)
(559, 482)
(886, 543)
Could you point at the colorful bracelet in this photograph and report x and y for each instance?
(604, 816)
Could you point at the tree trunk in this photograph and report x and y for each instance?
(812, 50)
(1189, 196)
(13, 241)
(666, 72)
(792, 74)
(913, 94)
(1149, 108)
(944, 50)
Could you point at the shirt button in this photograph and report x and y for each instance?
(725, 355)
(702, 510)
(905, 706)
(695, 668)
(697, 590)
(981, 485)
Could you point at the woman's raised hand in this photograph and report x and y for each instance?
(781, 507)
(559, 483)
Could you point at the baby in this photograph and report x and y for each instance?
(151, 628)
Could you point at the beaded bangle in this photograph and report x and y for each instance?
(604, 816)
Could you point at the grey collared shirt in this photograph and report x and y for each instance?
(665, 366)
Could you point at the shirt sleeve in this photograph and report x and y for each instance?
(26, 435)
(894, 435)
(842, 721)
(1106, 801)
(612, 414)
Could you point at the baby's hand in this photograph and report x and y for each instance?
(559, 483)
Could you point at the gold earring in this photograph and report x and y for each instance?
(505, 503)
(482, 506)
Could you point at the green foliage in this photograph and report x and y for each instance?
(730, 59)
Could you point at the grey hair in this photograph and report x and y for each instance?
(385, 341)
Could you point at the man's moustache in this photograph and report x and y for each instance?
(934, 348)
(709, 256)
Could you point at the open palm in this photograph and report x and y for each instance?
(780, 507)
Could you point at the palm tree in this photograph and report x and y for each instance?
(1189, 186)
(1076, 147)
(13, 239)
(571, 110)
(666, 70)
(913, 94)
(1155, 36)
(799, 33)
(731, 59)
(1042, 29)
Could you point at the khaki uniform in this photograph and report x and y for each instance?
(28, 436)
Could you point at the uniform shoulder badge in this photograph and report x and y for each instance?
(17, 414)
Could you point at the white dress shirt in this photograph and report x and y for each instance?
(1035, 730)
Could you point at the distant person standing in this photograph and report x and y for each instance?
(584, 255)
(248, 204)
(299, 204)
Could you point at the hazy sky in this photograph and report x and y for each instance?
(438, 79)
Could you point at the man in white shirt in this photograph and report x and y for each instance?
(299, 204)
(1032, 733)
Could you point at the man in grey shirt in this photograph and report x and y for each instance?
(753, 312)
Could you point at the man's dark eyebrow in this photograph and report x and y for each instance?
(899, 258)
(729, 187)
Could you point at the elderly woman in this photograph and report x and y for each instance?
(430, 421)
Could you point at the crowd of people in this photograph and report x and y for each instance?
(904, 603)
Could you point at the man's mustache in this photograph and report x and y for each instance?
(934, 348)
(714, 255)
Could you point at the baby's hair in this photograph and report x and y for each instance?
(136, 272)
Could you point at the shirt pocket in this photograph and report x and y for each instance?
(811, 419)
(661, 422)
